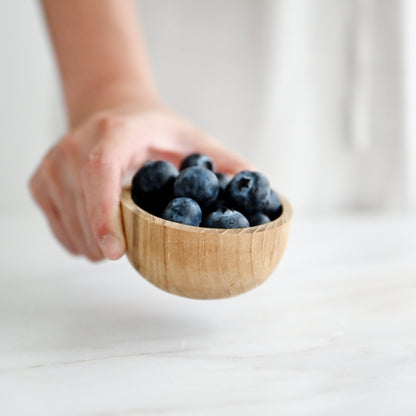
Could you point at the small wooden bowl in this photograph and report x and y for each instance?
(202, 263)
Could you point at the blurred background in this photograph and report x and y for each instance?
(319, 95)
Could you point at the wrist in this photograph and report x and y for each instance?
(105, 96)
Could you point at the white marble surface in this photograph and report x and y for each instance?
(333, 332)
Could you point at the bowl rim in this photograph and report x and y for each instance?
(285, 217)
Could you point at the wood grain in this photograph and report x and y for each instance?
(202, 263)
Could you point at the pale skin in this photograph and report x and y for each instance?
(117, 122)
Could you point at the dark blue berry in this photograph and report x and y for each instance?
(274, 208)
(152, 185)
(258, 219)
(184, 211)
(227, 218)
(220, 204)
(215, 206)
(223, 181)
(197, 183)
(197, 159)
(248, 192)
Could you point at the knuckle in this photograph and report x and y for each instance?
(49, 168)
(102, 228)
(68, 148)
(100, 219)
(109, 122)
(97, 160)
(38, 189)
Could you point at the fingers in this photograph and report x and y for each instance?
(71, 206)
(55, 188)
(51, 212)
(93, 251)
(101, 181)
(80, 194)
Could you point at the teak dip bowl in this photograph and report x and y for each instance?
(202, 263)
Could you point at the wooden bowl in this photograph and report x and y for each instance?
(202, 263)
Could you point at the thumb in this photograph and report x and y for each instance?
(101, 183)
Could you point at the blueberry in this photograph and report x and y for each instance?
(248, 192)
(215, 206)
(223, 181)
(153, 176)
(219, 204)
(257, 219)
(274, 208)
(197, 159)
(197, 183)
(227, 218)
(184, 211)
(152, 186)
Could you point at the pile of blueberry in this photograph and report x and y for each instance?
(197, 195)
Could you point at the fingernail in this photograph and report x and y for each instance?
(111, 247)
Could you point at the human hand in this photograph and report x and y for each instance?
(78, 184)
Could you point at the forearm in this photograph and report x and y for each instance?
(101, 55)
